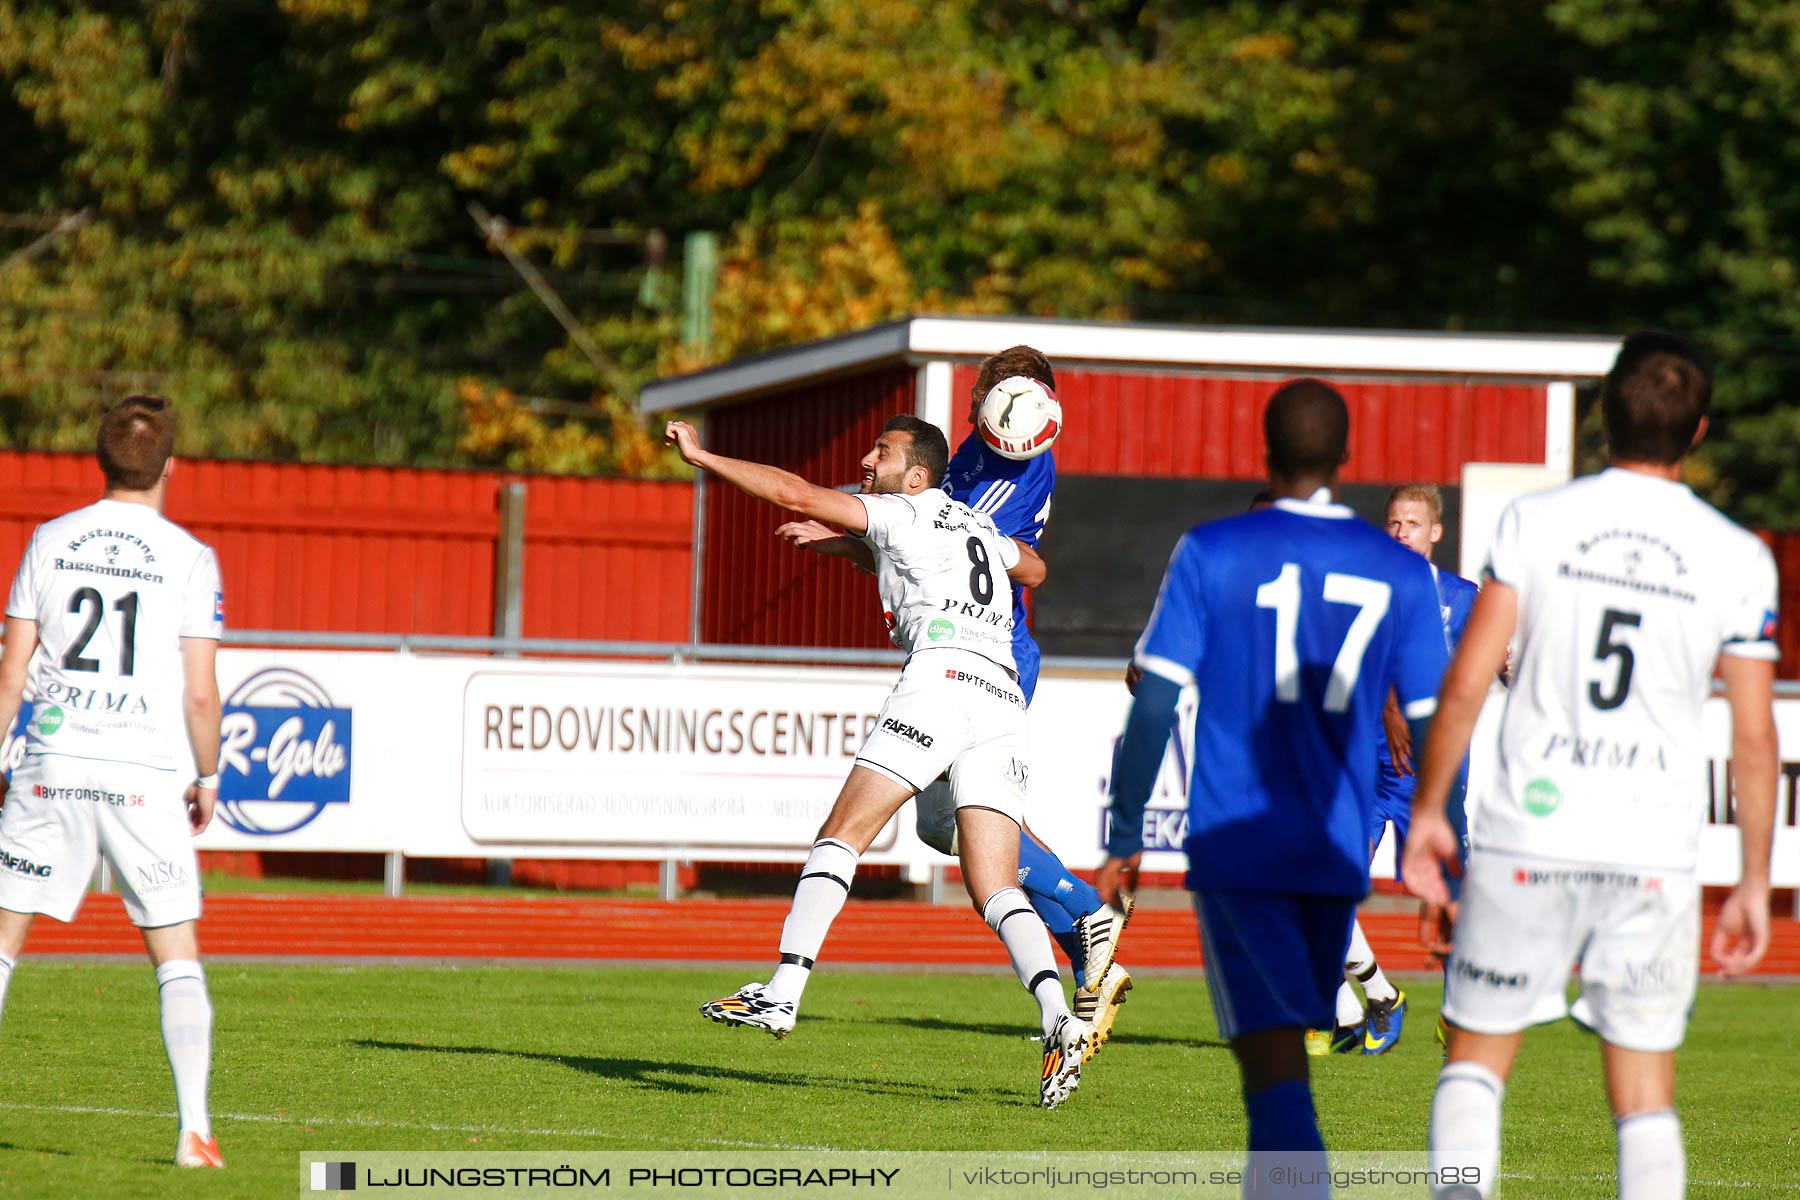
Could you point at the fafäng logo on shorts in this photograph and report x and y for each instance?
(284, 753)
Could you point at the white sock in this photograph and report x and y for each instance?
(818, 899)
(1349, 1008)
(1465, 1123)
(1361, 966)
(187, 1034)
(1028, 945)
(1652, 1162)
(6, 966)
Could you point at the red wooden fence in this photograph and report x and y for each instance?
(381, 550)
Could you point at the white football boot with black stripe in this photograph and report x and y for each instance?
(1065, 1049)
(1099, 933)
(748, 1006)
(1099, 1007)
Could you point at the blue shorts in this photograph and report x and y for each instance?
(1393, 802)
(1026, 658)
(1273, 959)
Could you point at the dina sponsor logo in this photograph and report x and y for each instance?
(940, 630)
(909, 732)
(48, 719)
(1542, 797)
(284, 753)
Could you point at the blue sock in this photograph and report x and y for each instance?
(1282, 1118)
(1070, 947)
(1049, 884)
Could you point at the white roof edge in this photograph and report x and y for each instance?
(1491, 355)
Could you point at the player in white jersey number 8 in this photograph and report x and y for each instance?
(957, 707)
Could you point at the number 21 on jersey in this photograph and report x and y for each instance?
(1370, 598)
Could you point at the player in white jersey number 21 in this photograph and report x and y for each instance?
(1626, 592)
(942, 570)
(123, 610)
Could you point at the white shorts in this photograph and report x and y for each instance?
(61, 812)
(958, 712)
(1525, 922)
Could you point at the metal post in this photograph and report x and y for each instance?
(393, 874)
(699, 280)
(938, 885)
(509, 564)
(103, 876)
(509, 607)
(668, 880)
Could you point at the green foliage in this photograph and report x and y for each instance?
(276, 229)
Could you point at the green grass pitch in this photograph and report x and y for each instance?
(373, 1058)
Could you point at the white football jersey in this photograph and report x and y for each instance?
(113, 587)
(1630, 588)
(941, 568)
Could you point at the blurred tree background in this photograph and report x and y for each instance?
(261, 207)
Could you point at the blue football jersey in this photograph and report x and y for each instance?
(1016, 495)
(1456, 600)
(1292, 622)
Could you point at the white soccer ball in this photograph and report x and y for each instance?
(1019, 418)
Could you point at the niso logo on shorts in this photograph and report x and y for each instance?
(23, 866)
(940, 630)
(1542, 797)
(908, 732)
(160, 876)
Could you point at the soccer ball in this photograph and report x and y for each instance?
(1019, 418)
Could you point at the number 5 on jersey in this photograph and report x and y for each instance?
(1282, 594)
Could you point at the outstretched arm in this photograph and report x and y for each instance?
(781, 488)
(822, 539)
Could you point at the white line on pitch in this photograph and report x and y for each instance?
(377, 1123)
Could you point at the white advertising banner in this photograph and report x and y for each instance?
(720, 759)
(465, 757)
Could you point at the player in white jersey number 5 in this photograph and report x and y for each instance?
(942, 570)
(123, 610)
(1626, 591)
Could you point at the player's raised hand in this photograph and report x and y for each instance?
(686, 440)
(1115, 876)
(1432, 848)
(807, 534)
(200, 802)
(1741, 937)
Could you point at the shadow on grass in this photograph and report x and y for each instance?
(693, 1078)
(1018, 1032)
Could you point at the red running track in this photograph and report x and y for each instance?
(888, 932)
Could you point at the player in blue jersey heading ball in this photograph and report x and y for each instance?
(1293, 623)
(1016, 494)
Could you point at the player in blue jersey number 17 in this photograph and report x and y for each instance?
(1293, 623)
(1016, 494)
